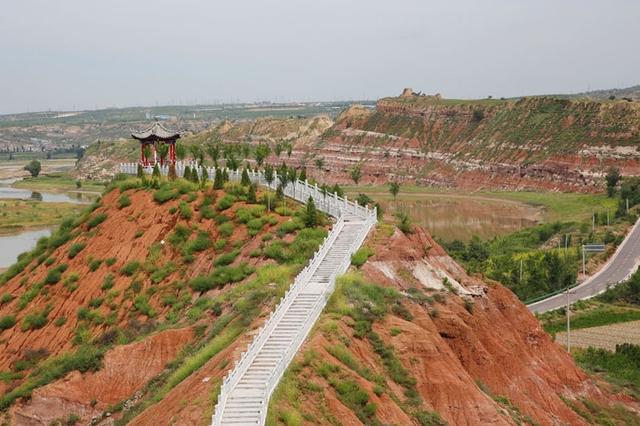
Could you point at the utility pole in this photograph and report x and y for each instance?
(627, 205)
(607, 217)
(584, 273)
(520, 270)
(568, 323)
(593, 221)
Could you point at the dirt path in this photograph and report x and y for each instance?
(606, 336)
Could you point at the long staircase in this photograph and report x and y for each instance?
(246, 402)
(245, 391)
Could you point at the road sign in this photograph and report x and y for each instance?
(593, 248)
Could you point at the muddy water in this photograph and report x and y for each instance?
(7, 192)
(12, 245)
(451, 218)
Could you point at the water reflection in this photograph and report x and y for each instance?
(12, 245)
(461, 218)
(7, 192)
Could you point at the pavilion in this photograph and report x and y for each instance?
(156, 134)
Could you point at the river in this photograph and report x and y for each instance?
(12, 245)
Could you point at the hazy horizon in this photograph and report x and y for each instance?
(75, 55)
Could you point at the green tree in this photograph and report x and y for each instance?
(156, 171)
(310, 214)
(148, 153)
(303, 174)
(244, 180)
(187, 173)
(172, 175)
(181, 151)
(213, 151)
(269, 177)
(261, 153)
(319, 163)
(197, 154)
(33, 167)
(205, 177)
(394, 189)
(163, 151)
(356, 173)
(194, 175)
(251, 195)
(612, 178)
(277, 149)
(218, 181)
(140, 171)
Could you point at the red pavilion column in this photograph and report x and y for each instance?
(142, 153)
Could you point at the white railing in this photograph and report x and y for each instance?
(333, 205)
(330, 203)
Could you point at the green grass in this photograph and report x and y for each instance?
(621, 367)
(557, 205)
(598, 315)
(58, 182)
(19, 215)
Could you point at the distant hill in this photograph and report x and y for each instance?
(632, 92)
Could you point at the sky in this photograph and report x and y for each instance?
(79, 54)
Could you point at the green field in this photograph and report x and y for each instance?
(557, 206)
(18, 215)
(58, 182)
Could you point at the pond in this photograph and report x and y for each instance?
(461, 217)
(12, 245)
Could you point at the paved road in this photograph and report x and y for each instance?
(624, 262)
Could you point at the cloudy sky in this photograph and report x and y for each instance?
(79, 54)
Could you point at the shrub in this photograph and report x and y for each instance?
(141, 303)
(130, 268)
(53, 276)
(429, 418)
(60, 321)
(35, 320)
(225, 202)
(221, 276)
(96, 220)
(75, 249)
(7, 321)
(360, 256)
(207, 212)
(124, 201)
(5, 298)
(185, 210)
(94, 264)
(110, 261)
(108, 282)
(96, 302)
(164, 194)
(226, 258)
(226, 229)
(219, 244)
(179, 235)
(289, 227)
(200, 243)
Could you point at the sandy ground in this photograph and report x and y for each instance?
(606, 336)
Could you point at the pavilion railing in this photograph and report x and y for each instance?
(327, 202)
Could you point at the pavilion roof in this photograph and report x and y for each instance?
(156, 132)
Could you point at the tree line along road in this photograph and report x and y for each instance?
(621, 265)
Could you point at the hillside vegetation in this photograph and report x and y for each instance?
(150, 259)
